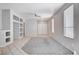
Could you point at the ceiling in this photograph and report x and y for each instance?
(25, 9)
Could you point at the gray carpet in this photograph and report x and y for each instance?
(45, 46)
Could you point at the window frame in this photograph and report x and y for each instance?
(71, 25)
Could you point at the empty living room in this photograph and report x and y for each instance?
(39, 28)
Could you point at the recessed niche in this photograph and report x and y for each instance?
(21, 25)
(21, 20)
(7, 33)
(7, 39)
(15, 18)
(20, 34)
(21, 29)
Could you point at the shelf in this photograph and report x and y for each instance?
(7, 36)
(7, 33)
(15, 18)
(21, 34)
(15, 21)
(15, 30)
(21, 25)
(21, 20)
(7, 40)
(17, 27)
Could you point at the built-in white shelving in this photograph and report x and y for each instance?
(17, 26)
(21, 27)
(11, 27)
(5, 38)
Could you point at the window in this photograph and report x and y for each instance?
(68, 22)
(53, 25)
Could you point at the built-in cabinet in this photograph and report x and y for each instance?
(11, 27)
(17, 27)
(21, 27)
(5, 38)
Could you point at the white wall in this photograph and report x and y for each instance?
(34, 28)
(30, 27)
(49, 26)
(42, 28)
